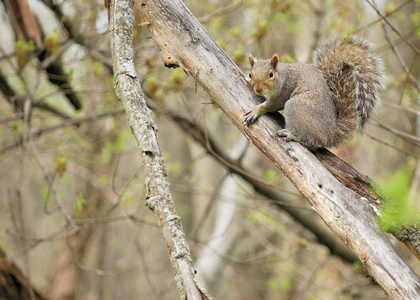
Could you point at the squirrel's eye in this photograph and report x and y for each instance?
(271, 74)
(250, 75)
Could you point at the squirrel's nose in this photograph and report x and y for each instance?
(258, 89)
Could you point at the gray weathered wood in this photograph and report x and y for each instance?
(184, 42)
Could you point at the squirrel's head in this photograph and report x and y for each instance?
(263, 74)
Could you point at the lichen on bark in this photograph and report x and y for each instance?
(158, 195)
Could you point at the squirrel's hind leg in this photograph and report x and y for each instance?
(287, 136)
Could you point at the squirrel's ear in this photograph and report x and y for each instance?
(274, 60)
(252, 60)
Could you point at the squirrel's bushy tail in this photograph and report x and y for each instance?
(354, 75)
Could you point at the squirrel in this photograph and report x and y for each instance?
(324, 102)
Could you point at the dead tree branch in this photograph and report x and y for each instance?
(322, 235)
(348, 214)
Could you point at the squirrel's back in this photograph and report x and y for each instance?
(354, 75)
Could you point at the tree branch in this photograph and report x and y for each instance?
(159, 198)
(13, 282)
(350, 217)
(303, 217)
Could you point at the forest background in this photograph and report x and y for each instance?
(67, 154)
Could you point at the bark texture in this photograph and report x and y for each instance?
(185, 43)
(159, 198)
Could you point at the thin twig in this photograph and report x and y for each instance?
(219, 11)
(387, 15)
(392, 146)
(408, 137)
(399, 57)
(65, 123)
(403, 108)
(384, 19)
(47, 175)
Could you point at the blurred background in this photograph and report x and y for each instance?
(73, 224)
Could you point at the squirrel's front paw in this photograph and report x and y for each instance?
(250, 118)
(286, 135)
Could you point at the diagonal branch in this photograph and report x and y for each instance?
(385, 21)
(303, 217)
(349, 215)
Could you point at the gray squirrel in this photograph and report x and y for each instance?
(325, 102)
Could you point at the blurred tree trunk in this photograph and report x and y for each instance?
(210, 262)
(23, 21)
(25, 25)
(14, 284)
(65, 272)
